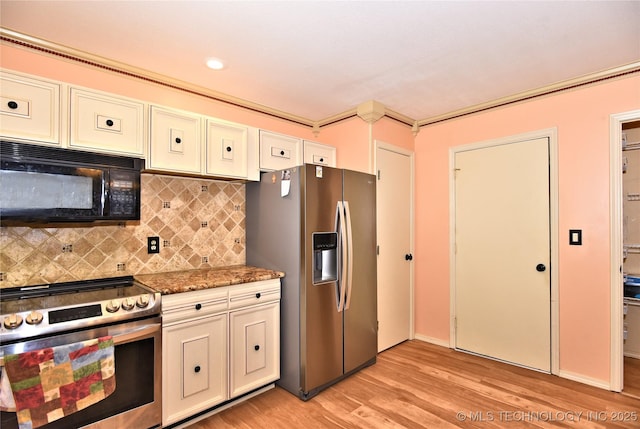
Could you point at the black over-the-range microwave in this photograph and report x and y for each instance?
(48, 184)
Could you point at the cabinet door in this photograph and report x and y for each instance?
(175, 141)
(29, 109)
(254, 347)
(278, 151)
(319, 154)
(106, 123)
(226, 149)
(194, 367)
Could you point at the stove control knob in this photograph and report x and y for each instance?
(34, 318)
(113, 306)
(128, 304)
(143, 301)
(12, 321)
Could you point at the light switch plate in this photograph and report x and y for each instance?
(575, 237)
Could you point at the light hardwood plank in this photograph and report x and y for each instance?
(632, 377)
(418, 385)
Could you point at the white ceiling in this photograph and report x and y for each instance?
(315, 59)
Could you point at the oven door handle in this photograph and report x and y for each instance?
(134, 334)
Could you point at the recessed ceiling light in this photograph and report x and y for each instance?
(215, 64)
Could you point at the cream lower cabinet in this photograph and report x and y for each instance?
(194, 360)
(254, 347)
(218, 344)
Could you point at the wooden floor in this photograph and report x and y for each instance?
(420, 385)
(632, 377)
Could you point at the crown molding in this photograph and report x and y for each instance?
(65, 52)
(71, 54)
(565, 85)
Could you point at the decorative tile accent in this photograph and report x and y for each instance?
(200, 222)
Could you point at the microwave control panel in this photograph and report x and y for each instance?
(123, 193)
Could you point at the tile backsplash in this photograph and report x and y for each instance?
(200, 223)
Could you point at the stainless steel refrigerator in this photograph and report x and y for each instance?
(318, 225)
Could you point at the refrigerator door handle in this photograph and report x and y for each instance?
(342, 278)
(349, 254)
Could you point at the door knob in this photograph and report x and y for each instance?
(540, 268)
(408, 257)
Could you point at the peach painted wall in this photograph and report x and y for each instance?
(393, 132)
(351, 139)
(581, 117)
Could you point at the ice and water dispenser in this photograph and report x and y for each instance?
(325, 257)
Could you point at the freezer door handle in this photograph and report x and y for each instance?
(342, 278)
(349, 235)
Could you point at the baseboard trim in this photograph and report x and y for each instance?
(602, 384)
(436, 341)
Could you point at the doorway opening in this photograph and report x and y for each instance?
(625, 253)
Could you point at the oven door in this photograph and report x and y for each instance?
(136, 402)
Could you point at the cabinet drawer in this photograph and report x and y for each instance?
(278, 151)
(29, 109)
(106, 123)
(196, 304)
(254, 293)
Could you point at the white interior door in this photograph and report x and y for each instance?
(394, 194)
(502, 252)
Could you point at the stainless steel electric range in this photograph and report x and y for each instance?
(49, 315)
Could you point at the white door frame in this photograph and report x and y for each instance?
(615, 224)
(387, 146)
(552, 135)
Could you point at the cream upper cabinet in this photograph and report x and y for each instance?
(175, 141)
(227, 149)
(319, 154)
(106, 123)
(30, 109)
(278, 151)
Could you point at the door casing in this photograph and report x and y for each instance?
(551, 134)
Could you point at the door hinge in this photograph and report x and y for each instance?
(378, 250)
(378, 174)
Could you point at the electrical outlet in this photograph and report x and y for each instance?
(153, 244)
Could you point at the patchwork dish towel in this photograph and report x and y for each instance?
(51, 383)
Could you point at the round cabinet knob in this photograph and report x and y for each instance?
(258, 295)
(228, 148)
(197, 368)
(12, 321)
(12, 105)
(281, 153)
(178, 140)
(408, 257)
(540, 268)
(198, 306)
(109, 123)
(128, 304)
(143, 301)
(321, 159)
(256, 347)
(34, 318)
(113, 306)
